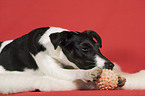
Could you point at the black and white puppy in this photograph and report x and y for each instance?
(51, 59)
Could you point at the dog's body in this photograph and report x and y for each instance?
(52, 59)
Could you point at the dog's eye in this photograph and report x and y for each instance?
(85, 49)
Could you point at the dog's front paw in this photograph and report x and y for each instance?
(121, 81)
(94, 73)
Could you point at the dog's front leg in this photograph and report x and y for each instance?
(51, 67)
(91, 74)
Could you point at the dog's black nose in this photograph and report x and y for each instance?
(109, 65)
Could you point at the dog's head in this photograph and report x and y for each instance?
(83, 49)
(78, 50)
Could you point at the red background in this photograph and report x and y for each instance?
(120, 23)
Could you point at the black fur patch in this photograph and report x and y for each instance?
(16, 55)
(33, 38)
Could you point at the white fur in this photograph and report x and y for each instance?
(22, 82)
(5, 43)
(100, 61)
(29, 80)
(133, 80)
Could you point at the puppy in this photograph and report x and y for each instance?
(51, 59)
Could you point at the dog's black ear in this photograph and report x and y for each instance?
(33, 40)
(94, 35)
(60, 39)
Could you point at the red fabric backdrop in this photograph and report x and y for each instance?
(121, 24)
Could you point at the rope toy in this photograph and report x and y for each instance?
(108, 80)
